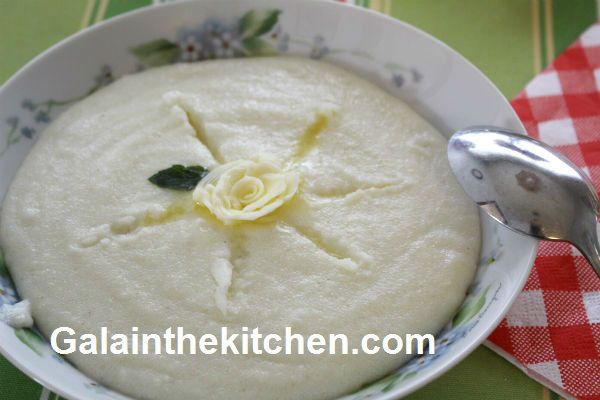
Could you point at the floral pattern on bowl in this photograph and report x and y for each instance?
(256, 33)
(466, 319)
(263, 32)
(36, 115)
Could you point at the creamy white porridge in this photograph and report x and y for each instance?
(330, 208)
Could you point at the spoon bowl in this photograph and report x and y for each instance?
(527, 186)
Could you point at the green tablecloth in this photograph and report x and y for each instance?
(509, 40)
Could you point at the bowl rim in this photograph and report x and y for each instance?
(395, 393)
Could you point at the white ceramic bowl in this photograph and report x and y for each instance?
(434, 79)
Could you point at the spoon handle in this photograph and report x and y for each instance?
(590, 248)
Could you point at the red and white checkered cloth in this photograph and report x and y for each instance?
(553, 330)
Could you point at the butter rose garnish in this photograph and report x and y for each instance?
(245, 190)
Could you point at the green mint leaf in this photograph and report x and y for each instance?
(255, 23)
(258, 47)
(179, 177)
(156, 53)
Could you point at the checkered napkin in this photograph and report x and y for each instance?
(553, 330)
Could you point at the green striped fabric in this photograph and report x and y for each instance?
(537, 30)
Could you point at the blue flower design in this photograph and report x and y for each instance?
(447, 339)
(401, 75)
(28, 105)
(213, 39)
(42, 117)
(443, 344)
(8, 294)
(416, 75)
(318, 49)
(213, 27)
(226, 44)
(398, 79)
(28, 132)
(191, 49)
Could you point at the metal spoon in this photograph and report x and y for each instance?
(527, 186)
